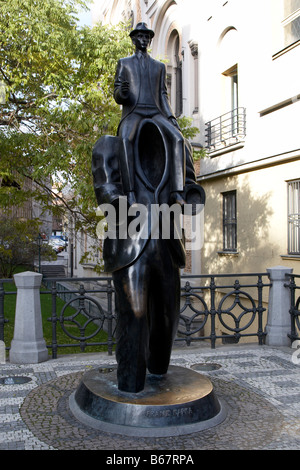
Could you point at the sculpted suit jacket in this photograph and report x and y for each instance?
(119, 253)
(128, 69)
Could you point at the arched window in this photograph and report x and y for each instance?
(174, 72)
(229, 127)
(194, 51)
(228, 60)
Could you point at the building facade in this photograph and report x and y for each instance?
(249, 99)
(30, 209)
(233, 67)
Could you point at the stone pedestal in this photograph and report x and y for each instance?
(180, 402)
(28, 345)
(279, 321)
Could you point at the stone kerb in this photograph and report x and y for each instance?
(28, 345)
(278, 323)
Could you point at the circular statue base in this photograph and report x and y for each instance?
(180, 402)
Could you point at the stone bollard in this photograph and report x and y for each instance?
(2, 353)
(28, 345)
(279, 321)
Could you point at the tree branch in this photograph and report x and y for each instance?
(56, 196)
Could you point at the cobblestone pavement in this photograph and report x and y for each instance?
(259, 385)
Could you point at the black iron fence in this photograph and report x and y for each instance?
(223, 308)
(86, 312)
(3, 293)
(213, 307)
(295, 305)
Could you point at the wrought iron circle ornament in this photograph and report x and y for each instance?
(189, 296)
(81, 310)
(237, 302)
(297, 313)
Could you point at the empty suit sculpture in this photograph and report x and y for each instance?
(148, 163)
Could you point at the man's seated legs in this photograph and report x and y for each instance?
(178, 160)
(127, 132)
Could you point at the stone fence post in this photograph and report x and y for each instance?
(2, 353)
(279, 321)
(28, 345)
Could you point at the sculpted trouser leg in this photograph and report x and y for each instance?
(132, 329)
(147, 294)
(127, 133)
(163, 310)
(177, 164)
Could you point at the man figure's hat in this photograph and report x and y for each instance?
(142, 28)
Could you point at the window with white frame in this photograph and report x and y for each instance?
(294, 217)
(291, 22)
(231, 99)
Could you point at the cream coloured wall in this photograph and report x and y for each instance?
(270, 154)
(261, 233)
(261, 221)
(248, 33)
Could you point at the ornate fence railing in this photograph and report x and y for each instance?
(295, 305)
(225, 130)
(213, 307)
(85, 313)
(229, 304)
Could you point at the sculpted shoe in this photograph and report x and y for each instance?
(177, 198)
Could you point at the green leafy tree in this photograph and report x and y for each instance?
(189, 131)
(56, 100)
(19, 244)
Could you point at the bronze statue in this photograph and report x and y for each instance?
(140, 86)
(150, 163)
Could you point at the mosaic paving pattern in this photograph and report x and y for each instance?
(260, 387)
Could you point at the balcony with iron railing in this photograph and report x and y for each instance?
(226, 130)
